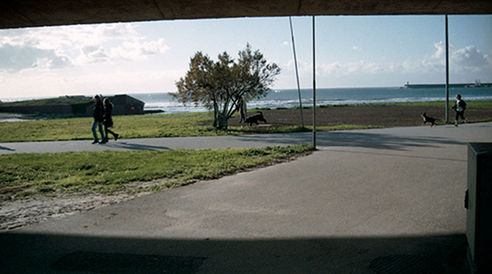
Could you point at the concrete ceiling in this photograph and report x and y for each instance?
(32, 13)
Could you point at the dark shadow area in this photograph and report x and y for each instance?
(6, 148)
(45, 253)
(356, 139)
(124, 145)
(265, 129)
(372, 153)
(98, 262)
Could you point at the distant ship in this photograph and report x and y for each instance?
(477, 84)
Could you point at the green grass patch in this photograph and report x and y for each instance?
(136, 126)
(165, 125)
(131, 126)
(24, 175)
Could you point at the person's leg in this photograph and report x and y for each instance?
(462, 114)
(115, 135)
(94, 133)
(106, 133)
(100, 125)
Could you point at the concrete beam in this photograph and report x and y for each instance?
(33, 13)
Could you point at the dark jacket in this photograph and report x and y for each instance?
(108, 120)
(98, 112)
(461, 104)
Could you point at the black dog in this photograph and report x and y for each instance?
(428, 119)
(255, 118)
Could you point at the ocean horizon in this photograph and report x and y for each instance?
(288, 98)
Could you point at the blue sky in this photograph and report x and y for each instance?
(352, 51)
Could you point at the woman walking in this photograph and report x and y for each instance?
(108, 120)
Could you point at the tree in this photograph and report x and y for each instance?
(221, 85)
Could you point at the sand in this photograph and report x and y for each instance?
(374, 115)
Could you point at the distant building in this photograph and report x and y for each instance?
(80, 106)
(124, 105)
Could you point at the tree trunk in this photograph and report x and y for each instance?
(216, 116)
(222, 121)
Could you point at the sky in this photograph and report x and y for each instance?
(145, 57)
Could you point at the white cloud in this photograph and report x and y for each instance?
(469, 58)
(285, 43)
(83, 81)
(463, 60)
(77, 45)
(16, 58)
(356, 48)
(439, 50)
(303, 67)
(430, 67)
(154, 47)
(339, 69)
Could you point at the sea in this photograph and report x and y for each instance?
(287, 98)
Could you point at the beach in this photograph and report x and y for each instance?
(394, 115)
(12, 117)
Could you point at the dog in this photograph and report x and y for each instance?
(428, 119)
(255, 119)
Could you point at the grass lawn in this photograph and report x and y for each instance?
(24, 175)
(166, 125)
(131, 126)
(134, 126)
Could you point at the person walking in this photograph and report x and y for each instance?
(108, 120)
(98, 115)
(459, 107)
(241, 107)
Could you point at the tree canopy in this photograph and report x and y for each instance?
(220, 85)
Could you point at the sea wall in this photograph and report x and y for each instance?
(476, 85)
(77, 106)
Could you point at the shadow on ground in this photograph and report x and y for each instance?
(130, 146)
(357, 139)
(45, 253)
(6, 148)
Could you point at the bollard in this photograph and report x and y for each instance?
(478, 204)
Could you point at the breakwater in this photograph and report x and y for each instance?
(67, 106)
(475, 85)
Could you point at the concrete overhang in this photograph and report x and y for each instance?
(33, 13)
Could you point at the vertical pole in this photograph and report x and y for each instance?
(314, 84)
(297, 73)
(447, 72)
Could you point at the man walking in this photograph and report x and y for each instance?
(98, 119)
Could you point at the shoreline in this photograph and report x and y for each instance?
(278, 121)
(21, 117)
(12, 117)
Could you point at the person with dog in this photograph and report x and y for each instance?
(459, 107)
(98, 115)
(108, 120)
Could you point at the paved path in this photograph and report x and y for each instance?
(376, 138)
(369, 201)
